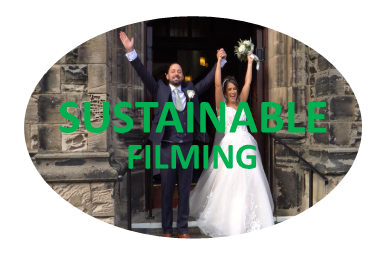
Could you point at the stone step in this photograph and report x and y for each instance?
(194, 232)
(142, 224)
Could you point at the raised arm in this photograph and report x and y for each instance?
(218, 85)
(205, 83)
(248, 79)
(142, 72)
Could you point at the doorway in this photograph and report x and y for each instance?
(193, 42)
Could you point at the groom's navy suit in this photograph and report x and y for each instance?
(169, 136)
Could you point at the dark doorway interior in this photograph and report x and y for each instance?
(186, 39)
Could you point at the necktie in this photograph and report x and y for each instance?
(178, 100)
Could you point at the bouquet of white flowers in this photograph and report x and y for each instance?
(241, 51)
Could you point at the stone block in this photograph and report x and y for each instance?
(317, 157)
(336, 82)
(299, 67)
(298, 96)
(279, 95)
(49, 138)
(278, 76)
(75, 167)
(277, 43)
(27, 134)
(312, 54)
(323, 110)
(116, 97)
(74, 142)
(322, 83)
(98, 141)
(309, 94)
(97, 78)
(298, 47)
(119, 66)
(355, 134)
(323, 64)
(340, 161)
(102, 201)
(93, 50)
(284, 157)
(72, 57)
(76, 74)
(78, 99)
(50, 82)
(289, 187)
(31, 114)
(342, 108)
(34, 138)
(49, 108)
(357, 112)
(340, 133)
(347, 89)
(312, 66)
(77, 194)
(67, 88)
(96, 110)
(321, 138)
(69, 58)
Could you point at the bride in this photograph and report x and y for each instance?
(231, 201)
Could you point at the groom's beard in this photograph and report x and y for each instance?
(175, 83)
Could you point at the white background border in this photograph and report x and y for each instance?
(38, 226)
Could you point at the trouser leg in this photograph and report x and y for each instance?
(184, 182)
(168, 180)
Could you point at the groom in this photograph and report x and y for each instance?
(175, 92)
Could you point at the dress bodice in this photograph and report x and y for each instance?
(230, 114)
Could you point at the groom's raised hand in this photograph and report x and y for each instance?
(221, 54)
(128, 44)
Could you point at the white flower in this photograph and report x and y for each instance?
(191, 94)
(247, 42)
(242, 48)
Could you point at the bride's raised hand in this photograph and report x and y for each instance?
(250, 60)
(127, 43)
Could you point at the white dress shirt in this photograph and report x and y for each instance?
(133, 55)
(180, 94)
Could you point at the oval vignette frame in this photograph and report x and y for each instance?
(82, 166)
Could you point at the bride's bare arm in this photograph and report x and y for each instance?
(248, 79)
(218, 83)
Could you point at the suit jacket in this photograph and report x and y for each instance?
(161, 92)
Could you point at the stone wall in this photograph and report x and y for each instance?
(299, 74)
(127, 86)
(75, 165)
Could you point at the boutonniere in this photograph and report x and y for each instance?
(191, 94)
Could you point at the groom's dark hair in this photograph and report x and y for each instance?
(169, 67)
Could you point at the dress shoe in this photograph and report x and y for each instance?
(183, 236)
(167, 235)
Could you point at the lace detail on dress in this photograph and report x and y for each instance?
(230, 115)
(209, 231)
(252, 222)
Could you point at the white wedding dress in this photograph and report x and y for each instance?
(232, 201)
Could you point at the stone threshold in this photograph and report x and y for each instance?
(154, 225)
